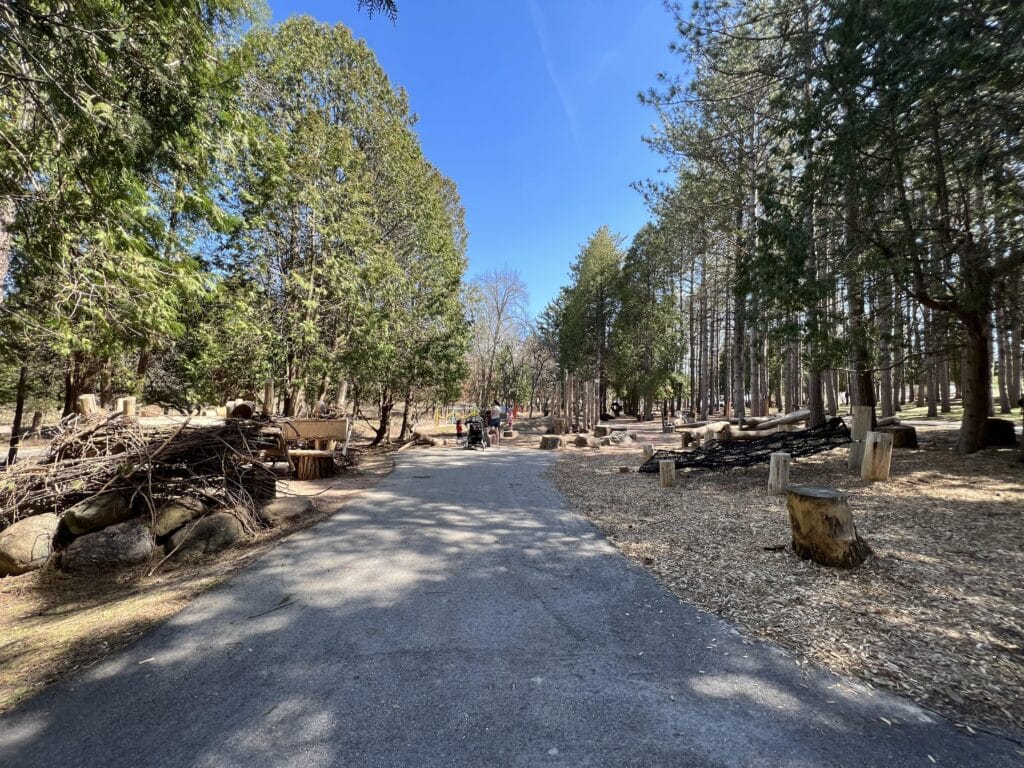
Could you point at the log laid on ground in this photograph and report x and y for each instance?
(242, 409)
(729, 433)
(778, 473)
(667, 473)
(903, 435)
(822, 525)
(887, 421)
(859, 426)
(790, 418)
(312, 465)
(425, 439)
(877, 457)
(551, 442)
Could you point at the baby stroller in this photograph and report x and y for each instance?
(476, 435)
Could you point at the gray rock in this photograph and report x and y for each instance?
(586, 441)
(287, 510)
(175, 514)
(207, 535)
(27, 544)
(116, 546)
(97, 512)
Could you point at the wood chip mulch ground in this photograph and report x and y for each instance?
(937, 615)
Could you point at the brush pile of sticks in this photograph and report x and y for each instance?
(150, 464)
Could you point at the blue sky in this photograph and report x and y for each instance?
(530, 106)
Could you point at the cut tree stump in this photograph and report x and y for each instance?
(312, 465)
(551, 442)
(88, 405)
(903, 435)
(877, 457)
(778, 473)
(822, 525)
(999, 433)
(667, 472)
(859, 426)
(648, 450)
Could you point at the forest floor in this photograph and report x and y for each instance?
(52, 624)
(937, 615)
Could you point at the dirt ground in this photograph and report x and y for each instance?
(936, 615)
(53, 624)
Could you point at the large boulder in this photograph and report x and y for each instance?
(97, 512)
(116, 546)
(174, 514)
(207, 535)
(586, 441)
(27, 544)
(151, 411)
(286, 510)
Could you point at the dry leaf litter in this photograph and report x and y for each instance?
(937, 615)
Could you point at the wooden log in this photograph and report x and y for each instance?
(877, 457)
(903, 435)
(729, 434)
(268, 399)
(312, 465)
(88, 405)
(859, 426)
(551, 442)
(789, 418)
(822, 526)
(887, 421)
(778, 473)
(648, 450)
(128, 407)
(667, 472)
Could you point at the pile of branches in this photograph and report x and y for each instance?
(715, 456)
(149, 464)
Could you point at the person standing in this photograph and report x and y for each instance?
(495, 422)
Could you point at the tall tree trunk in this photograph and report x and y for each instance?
(387, 403)
(7, 212)
(19, 412)
(976, 374)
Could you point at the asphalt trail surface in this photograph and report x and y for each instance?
(459, 615)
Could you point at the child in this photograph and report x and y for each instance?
(458, 430)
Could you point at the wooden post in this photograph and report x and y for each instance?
(778, 474)
(268, 398)
(859, 427)
(128, 407)
(877, 456)
(667, 472)
(648, 451)
(87, 405)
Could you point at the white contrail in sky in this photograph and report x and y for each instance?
(538, 27)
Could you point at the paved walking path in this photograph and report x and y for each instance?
(458, 615)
